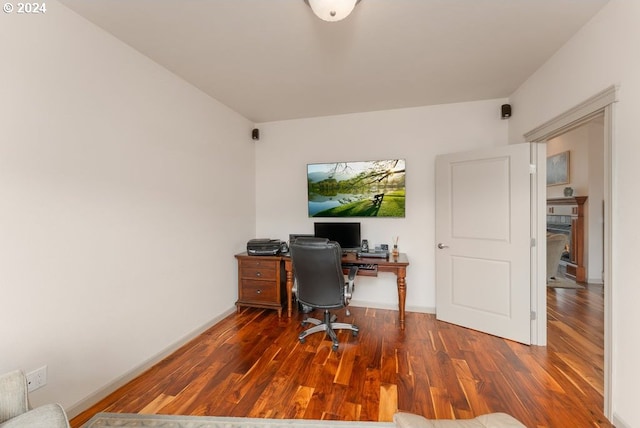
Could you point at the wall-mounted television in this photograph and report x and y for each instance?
(356, 189)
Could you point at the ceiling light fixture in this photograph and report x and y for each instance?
(332, 10)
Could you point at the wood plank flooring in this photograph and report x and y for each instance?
(251, 364)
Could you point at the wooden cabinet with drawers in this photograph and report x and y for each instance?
(261, 282)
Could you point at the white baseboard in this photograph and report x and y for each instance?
(618, 422)
(98, 395)
(392, 307)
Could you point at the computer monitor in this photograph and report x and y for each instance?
(345, 234)
(294, 236)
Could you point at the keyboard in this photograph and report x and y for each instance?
(361, 266)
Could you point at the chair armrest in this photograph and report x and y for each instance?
(350, 284)
(353, 271)
(13, 395)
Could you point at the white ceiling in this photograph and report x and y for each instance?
(274, 60)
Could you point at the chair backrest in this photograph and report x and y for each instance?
(317, 266)
(556, 244)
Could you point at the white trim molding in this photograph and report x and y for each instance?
(573, 117)
(601, 103)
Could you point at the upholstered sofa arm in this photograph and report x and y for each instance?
(46, 416)
(13, 395)
(14, 406)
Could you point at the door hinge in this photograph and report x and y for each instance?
(533, 242)
(532, 169)
(533, 315)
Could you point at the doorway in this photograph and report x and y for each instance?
(601, 104)
(581, 192)
(575, 209)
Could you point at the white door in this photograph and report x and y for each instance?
(483, 235)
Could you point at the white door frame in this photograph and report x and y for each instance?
(601, 103)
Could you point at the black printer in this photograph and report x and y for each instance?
(264, 247)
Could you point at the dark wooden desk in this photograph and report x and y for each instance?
(397, 265)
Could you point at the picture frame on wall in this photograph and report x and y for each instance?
(357, 189)
(558, 169)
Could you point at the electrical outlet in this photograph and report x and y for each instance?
(37, 378)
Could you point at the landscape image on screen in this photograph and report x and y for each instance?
(357, 189)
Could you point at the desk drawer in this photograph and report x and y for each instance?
(259, 268)
(256, 263)
(259, 291)
(264, 273)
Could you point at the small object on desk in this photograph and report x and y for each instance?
(395, 251)
(373, 254)
(365, 246)
(384, 247)
(264, 247)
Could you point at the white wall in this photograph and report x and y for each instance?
(603, 53)
(574, 141)
(124, 192)
(417, 135)
(586, 176)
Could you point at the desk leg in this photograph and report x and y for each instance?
(289, 270)
(402, 293)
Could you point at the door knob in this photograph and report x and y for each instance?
(442, 246)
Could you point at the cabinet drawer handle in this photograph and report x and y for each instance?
(258, 274)
(258, 291)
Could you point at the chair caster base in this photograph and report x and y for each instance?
(328, 326)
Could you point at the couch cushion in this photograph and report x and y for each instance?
(409, 420)
(492, 420)
(500, 420)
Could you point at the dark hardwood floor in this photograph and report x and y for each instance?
(251, 364)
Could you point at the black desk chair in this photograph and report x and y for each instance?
(320, 283)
